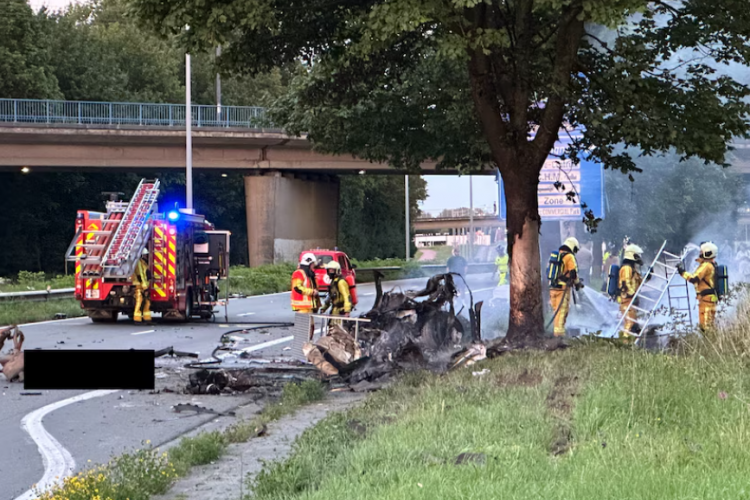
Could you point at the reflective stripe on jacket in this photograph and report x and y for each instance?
(501, 263)
(703, 278)
(302, 290)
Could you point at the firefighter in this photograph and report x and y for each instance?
(140, 280)
(560, 290)
(501, 261)
(339, 296)
(629, 281)
(704, 280)
(304, 287)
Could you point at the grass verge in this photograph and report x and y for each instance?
(17, 312)
(146, 472)
(593, 422)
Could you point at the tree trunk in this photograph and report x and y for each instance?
(526, 322)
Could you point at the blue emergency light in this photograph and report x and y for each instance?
(173, 215)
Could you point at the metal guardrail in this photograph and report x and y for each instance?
(127, 113)
(60, 293)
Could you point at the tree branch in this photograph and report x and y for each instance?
(568, 42)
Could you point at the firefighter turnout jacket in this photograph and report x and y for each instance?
(704, 281)
(303, 291)
(340, 296)
(140, 277)
(629, 280)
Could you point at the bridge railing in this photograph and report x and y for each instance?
(127, 113)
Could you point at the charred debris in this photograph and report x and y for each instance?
(407, 331)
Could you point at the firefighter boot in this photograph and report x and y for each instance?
(137, 316)
(146, 308)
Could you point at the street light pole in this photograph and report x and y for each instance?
(408, 228)
(188, 138)
(471, 218)
(218, 88)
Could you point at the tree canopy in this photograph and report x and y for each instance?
(395, 80)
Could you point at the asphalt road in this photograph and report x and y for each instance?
(95, 429)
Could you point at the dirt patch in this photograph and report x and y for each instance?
(527, 378)
(560, 403)
(227, 477)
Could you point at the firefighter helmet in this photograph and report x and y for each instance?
(333, 266)
(307, 259)
(573, 244)
(633, 252)
(709, 250)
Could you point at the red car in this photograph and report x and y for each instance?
(347, 270)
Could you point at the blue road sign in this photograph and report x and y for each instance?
(586, 179)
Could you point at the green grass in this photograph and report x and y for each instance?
(22, 311)
(594, 422)
(146, 472)
(28, 281)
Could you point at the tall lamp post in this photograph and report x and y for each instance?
(188, 136)
(408, 229)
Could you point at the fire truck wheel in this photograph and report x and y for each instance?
(189, 305)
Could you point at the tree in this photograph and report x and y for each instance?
(25, 66)
(371, 214)
(525, 66)
(678, 202)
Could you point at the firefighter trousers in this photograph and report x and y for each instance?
(560, 298)
(626, 334)
(706, 311)
(503, 277)
(141, 299)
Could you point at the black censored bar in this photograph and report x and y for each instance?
(88, 369)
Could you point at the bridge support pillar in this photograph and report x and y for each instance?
(287, 214)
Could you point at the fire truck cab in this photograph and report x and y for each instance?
(186, 257)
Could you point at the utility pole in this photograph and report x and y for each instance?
(408, 229)
(218, 88)
(188, 137)
(471, 219)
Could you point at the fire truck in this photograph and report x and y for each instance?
(186, 257)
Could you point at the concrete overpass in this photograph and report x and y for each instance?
(291, 191)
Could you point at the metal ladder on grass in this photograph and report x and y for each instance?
(131, 235)
(663, 271)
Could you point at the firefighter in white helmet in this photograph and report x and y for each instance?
(560, 291)
(704, 281)
(629, 281)
(304, 287)
(140, 280)
(339, 296)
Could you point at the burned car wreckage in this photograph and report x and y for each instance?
(404, 331)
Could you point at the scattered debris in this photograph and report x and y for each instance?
(61, 316)
(479, 374)
(31, 394)
(12, 363)
(171, 352)
(178, 408)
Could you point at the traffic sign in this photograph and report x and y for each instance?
(585, 179)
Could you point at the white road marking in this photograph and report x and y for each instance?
(58, 462)
(245, 314)
(270, 343)
(143, 332)
(367, 294)
(51, 321)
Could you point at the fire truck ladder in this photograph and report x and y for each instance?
(131, 236)
(663, 271)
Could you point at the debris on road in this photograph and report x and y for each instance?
(12, 363)
(169, 351)
(178, 408)
(252, 376)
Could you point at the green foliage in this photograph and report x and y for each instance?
(26, 65)
(16, 312)
(371, 214)
(202, 449)
(572, 417)
(270, 278)
(674, 201)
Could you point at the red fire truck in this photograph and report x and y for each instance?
(186, 258)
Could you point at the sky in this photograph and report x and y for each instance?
(51, 4)
(450, 191)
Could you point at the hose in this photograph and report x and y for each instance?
(558, 308)
(257, 325)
